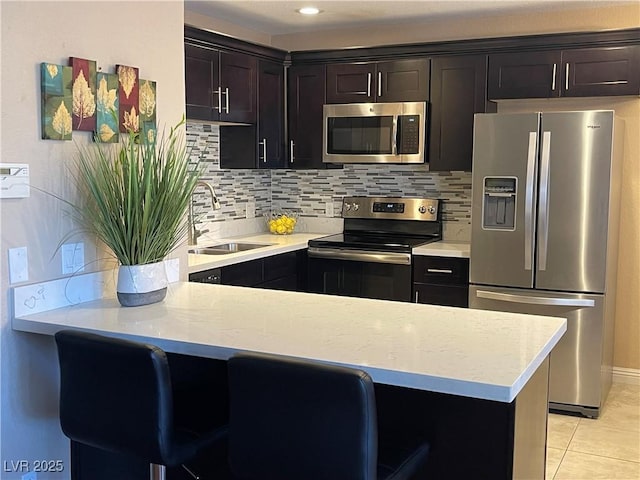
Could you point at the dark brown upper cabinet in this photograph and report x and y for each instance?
(306, 96)
(260, 145)
(592, 72)
(394, 81)
(270, 115)
(220, 85)
(584, 72)
(458, 91)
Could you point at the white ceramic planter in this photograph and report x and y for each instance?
(141, 284)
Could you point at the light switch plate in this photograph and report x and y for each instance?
(18, 265)
(328, 209)
(251, 209)
(73, 258)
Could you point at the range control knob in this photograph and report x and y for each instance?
(355, 207)
(431, 209)
(347, 206)
(422, 209)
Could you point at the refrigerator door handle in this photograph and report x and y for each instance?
(531, 300)
(528, 201)
(543, 230)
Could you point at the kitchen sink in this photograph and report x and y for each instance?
(226, 248)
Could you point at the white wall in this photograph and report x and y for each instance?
(145, 34)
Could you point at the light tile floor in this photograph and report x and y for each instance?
(607, 448)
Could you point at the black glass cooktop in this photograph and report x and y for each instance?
(365, 241)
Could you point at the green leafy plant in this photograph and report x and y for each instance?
(133, 196)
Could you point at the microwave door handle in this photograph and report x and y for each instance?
(394, 136)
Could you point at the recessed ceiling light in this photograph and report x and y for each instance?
(309, 11)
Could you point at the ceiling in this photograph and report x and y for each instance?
(280, 16)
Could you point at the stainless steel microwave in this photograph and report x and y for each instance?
(374, 133)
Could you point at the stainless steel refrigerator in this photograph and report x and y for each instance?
(544, 236)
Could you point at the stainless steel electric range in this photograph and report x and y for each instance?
(371, 258)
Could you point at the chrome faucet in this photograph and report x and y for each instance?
(194, 233)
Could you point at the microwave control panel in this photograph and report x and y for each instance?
(408, 134)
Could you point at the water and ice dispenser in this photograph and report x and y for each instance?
(499, 208)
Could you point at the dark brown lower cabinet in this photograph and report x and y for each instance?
(441, 281)
(286, 271)
(495, 440)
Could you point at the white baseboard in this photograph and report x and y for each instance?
(626, 375)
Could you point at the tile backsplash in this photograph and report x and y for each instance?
(309, 191)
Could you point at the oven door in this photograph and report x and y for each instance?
(358, 273)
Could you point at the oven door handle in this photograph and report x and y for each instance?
(360, 255)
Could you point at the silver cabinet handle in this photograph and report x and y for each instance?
(226, 95)
(439, 270)
(543, 214)
(553, 80)
(416, 300)
(369, 84)
(379, 84)
(264, 149)
(566, 78)
(219, 93)
(291, 157)
(558, 302)
(360, 255)
(528, 201)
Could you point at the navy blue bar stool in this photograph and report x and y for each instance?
(294, 419)
(117, 395)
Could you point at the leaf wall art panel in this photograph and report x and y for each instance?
(57, 102)
(107, 108)
(128, 94)
(147, 103)
(84, 93)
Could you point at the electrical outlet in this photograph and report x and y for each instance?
(328, 209)
(73, 258)
(18, 265)
(251, 210)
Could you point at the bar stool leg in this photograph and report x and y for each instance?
(157, 472)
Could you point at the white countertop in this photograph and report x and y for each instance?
(473, 353)
(274, 245)
(444, 249)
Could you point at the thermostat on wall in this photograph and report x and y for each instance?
(14, 180)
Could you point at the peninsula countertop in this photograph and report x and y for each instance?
(472, 353)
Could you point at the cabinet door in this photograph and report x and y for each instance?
(238, 81)
(594, 72)
(245, 274)
(270, 115)
(458, 91)
(402, 81)
(201, 82)
(350, 82)
(305, 100)
(524, 75)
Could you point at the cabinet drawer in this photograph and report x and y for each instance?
(446, 295)
(441, 270)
